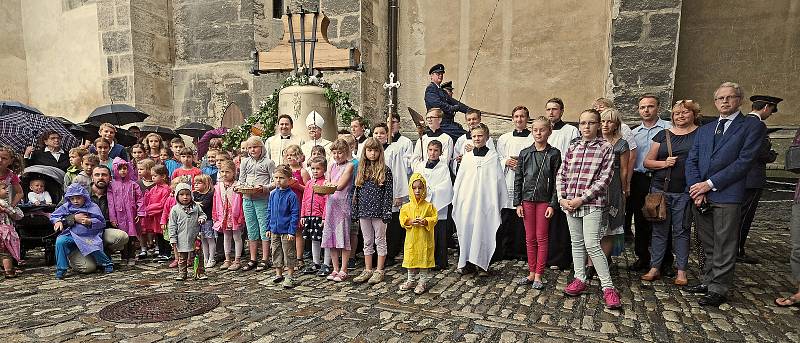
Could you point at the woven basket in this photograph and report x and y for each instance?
(324, 189)
(248, 190)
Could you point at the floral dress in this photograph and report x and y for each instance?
(336, 233)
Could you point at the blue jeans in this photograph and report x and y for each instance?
(677, 204)
(65, 245)
(255, 216)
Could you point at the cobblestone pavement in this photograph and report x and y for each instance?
(36, 307)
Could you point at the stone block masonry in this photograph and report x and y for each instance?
(643, 53)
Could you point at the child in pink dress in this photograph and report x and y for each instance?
(227, 214)
(336, 234)
(9, 240)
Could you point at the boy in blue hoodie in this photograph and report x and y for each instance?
(80, 224)
(283, 214)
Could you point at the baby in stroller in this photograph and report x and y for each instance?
(38, 194)
(34, 228)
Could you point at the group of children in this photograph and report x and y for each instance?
(383, 186)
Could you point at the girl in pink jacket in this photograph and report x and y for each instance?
(153, 206)
(125, 205)
(227, 214)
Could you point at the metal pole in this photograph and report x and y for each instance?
(291, 38)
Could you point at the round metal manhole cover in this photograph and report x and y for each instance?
(159, 307)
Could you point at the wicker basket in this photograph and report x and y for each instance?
(248, 190)
(324, 189)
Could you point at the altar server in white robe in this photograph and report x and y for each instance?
(511, 234)
(402, 143)
(440, 194)
(464, 143)
(479, 193)
(559, 251)
(434, 120)
(394, 157)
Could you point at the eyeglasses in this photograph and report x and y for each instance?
(432, 117)
(684, 101)
(726, 98)
(588, 123)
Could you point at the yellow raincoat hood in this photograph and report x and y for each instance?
(411, 196)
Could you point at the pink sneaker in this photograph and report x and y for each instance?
(611, 296)
(575, 288)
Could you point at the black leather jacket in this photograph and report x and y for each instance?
(529, 183)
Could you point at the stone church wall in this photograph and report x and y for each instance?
(534, 50)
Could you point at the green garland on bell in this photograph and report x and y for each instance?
(268, 112)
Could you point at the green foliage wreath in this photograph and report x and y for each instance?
(267, 115)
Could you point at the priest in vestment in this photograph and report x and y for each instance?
(479, 194)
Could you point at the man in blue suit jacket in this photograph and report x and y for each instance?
(716, 167)
(437, 97)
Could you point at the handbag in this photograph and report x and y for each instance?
(792, 162)
(655, 203)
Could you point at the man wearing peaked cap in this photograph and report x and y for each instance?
(436, 96)
(763, 107)
(448, 87)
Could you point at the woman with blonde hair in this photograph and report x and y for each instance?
(667, 158)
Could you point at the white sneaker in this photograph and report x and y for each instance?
(211, 263)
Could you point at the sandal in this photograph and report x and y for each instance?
(421, 288)
(408, 285)
(249, 266)
(332, 276)
(10, 274)
(781, 302)
(341, 276)
(235, 266)
(261, 266)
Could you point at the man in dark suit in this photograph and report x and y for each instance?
(52, 154)
(437, 97)
(763, 107)
(723, 152)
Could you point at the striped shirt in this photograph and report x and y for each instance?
(586, 173)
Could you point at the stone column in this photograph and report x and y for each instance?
(644, 48)
(114, 26)
(134, 39)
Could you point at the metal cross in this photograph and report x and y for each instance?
(390, 86)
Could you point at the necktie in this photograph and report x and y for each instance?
(720, 131)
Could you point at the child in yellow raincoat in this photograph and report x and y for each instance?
(418, 217)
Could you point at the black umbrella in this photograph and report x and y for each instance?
(195, 130)
(78, 131)
(64, 121)
(91, 129)
(165, 132)
(125, 137)
(117, 114)
(18, 106)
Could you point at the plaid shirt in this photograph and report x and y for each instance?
(586, 173)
